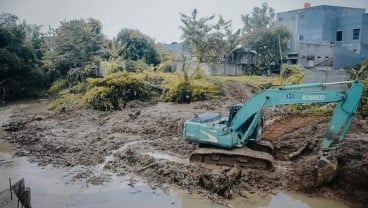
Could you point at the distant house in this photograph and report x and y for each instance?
(326, 35)
(241, 61)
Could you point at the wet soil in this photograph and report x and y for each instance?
(145, 139)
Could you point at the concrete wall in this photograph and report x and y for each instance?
(364, 37)
(227, 69)
(311, 55)
(326, 74)
(345, 58)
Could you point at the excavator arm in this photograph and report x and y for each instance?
(242, 126)
(346, 107)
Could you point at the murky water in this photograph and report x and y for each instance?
(52, 187)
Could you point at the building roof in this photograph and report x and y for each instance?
(321, 6)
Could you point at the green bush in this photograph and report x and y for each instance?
(165, 66)
(100, 98)
(116, 89)
(203, 89)
(361, 72)
(363, 109)
(58, 86)
(66, 101)
(135, 66)
(113, 91)
(292, 74)
(315, 109)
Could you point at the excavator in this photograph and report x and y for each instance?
(236, 139)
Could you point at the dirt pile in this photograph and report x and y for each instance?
(344, 177)
(352, 178)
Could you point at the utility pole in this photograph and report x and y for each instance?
(280, 52)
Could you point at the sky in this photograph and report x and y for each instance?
(160, 19)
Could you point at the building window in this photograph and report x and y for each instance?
(338, 35)
(280, 19)
(356, 33)
(301, 37)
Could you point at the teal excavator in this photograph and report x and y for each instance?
(236, 139)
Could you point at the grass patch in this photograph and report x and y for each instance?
(258, 81)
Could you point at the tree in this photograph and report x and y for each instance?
(134, 45)
(267, 43)
(20, 57)
(78, 45)
(208, 42)
(259, 19)
(261, 34)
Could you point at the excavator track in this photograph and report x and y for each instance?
(243, 157)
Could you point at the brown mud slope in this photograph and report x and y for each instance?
(145, 139)
(303, 135)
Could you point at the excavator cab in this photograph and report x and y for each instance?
(233, 111)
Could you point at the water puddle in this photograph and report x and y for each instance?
(52, 187)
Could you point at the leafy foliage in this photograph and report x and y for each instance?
(361, 72)
(115, 90)
(260, 18)
(292, 74)
(267, 43)
(364, 102)
(208, 42)
(58, 86)
(77, 47)
(261, 35)
(21, 51)
(134, 45)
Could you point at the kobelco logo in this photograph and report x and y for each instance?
(313, 97)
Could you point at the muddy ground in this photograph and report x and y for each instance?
(145, 139)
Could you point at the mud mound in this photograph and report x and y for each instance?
(308, 173)
(352, 178)
(221, 182)
(296, 135)
(238, 92)
(289, 124)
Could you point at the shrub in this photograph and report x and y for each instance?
(363, 109)
(292, 74)
(115, 90)
(315, 109)
(135, 66)
(66, 101)
(203, 89)
(165, 66)
(100, 98)
(361, 72)
(58, 86)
